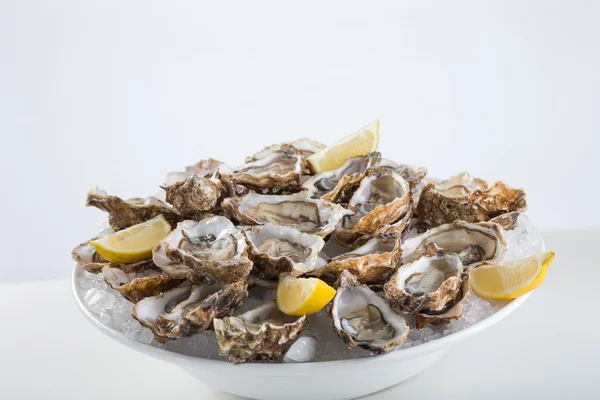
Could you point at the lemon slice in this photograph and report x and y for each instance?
(512, 279)
(303, 296)
(134, 243)
(359, 143)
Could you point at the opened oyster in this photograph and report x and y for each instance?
(212, 248)
(139, 283)
(125, 213)
(411, 174)
(278, 172)
(277, 249)
(382, 198)
(371, 262)
(263, 333)
(188, 309)
(298, 211)
(306, 147)
(469, 199)
(362, 318)
(474, 243)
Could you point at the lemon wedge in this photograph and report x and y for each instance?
(512, 279)
(134, 243)
(303, 296)
(359, 143)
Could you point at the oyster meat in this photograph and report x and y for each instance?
(307, 147)
(125, 213)
(299, 211)
(195, 196)
(263, 333)
(276, 250)
(212, 248)
(188, 309)
(362, 318)
(474, 243)
(411, 174)
(466, 198)
(139, 283)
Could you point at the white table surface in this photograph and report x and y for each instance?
(548, 348)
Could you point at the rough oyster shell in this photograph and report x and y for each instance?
(278, 172)
(213, 247)
(445, 316)
(188, 309)
(263, 333)
(195, 196)
(125, 213)
(463, 197)
(474, 243)
(429, 283)
(141, 282)
(362, 318)
(276, 249)
(369, 263)
(382, 198)
(297, 210)
(334, 183)
(307, 147)
(411, 174)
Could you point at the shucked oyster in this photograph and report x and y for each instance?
(213, 247)
(306, 146)
(263, 333)
(278, 172)
(372, 262)
(188, 309)
(208, 168)
(362, 318)
(125, 213)
(297, 210)
(140, 282)
(279, 249)
(382, 198)
(195, 196)
(474, 243)
(466, 198)
(411, 174)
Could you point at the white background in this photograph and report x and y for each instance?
(116, 94)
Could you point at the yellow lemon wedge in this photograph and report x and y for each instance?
(134, 243)
(359, 143)
(303, 296)
(512, 279)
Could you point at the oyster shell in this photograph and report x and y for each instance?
(195, 196)
(411, 174)
(278, 172)
(188, 309)
(333, 183)
(125, 213)
(371, 262)
(463, 197)
(307, 147)
(452, 312)
(139, 283)
(362, 318)
(474, 243)
(279, 249)
(297, 210)
(213, 247)
(382, 198)
(263, 333)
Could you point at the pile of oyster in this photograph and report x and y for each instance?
(395, 247)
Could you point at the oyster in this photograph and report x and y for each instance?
(280, 249)
(463, 197)
(278, 172)
(411, 174)
(195, 196)
(306, 147)
(474, 243)
(213, 247)
(144, 281)
(188, 309)
(205, 168)
(371, 262)
(362, 318)
(263, 333)
(125, 213)
(333, 183)
(382, 198)
(297, 210)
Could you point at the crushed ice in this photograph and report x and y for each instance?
(319, 342)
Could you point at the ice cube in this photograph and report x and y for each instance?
(304, 349)
(97, 300)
